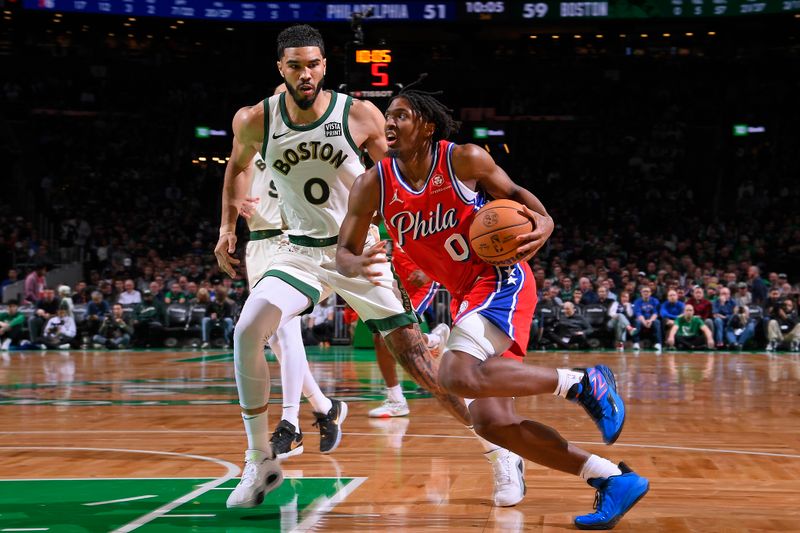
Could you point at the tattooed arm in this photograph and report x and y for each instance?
(409, 349)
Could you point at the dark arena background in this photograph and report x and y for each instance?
(663, 137)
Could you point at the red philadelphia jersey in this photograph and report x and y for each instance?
(432, 226)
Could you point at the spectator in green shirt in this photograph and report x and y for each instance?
(689, 332)
(11, 323)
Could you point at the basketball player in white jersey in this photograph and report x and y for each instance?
(261, 210)
(312, 141)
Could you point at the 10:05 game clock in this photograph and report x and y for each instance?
(370, 75)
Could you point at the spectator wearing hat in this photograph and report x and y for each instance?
(784, 326)
(689, 332)
(740, 328)
(65, 297)
(743, 296)
(239, 294)
(11, 322)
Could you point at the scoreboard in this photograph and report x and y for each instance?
(501, 10)
(621, 9)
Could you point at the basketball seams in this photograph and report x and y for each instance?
(527, 222)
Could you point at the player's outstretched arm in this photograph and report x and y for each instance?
(246, 133)
(474, 162)
(351, 259)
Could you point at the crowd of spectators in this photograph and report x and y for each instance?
(703, 310)
(649, 190)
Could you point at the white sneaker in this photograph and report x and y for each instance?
(636, 347)
(6, 345)
(509, 477)
(443, 331)
(772, 346)
(390, 408)
(658, 347)
(65, 346)
(262, 474)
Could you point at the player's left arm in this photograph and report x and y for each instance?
(367, 123)
(474, 163)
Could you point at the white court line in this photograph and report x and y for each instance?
(424, 436)
(25, 529)
(187, 516)
(326, 504)
(232, 471)
(121, 500)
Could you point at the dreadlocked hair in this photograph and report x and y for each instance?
(431, 109)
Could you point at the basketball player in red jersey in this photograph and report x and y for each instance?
(428, 190)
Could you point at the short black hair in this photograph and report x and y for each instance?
(12, 302)
(426, 105)
(300, 35)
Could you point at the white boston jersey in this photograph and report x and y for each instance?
(313, 166)
(267, 214)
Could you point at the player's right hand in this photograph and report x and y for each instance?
(374, 255)
(226, 245)
(418, 278)
(247, 206)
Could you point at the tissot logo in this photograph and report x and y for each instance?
(333, 129)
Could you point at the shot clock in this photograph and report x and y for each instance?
(370, 73)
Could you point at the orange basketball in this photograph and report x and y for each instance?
(493, 232)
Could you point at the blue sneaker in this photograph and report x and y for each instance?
(615, 496)
(597, 393)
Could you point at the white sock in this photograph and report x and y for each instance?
(598, 467)
(433, 340)
(291, 414)
(319, 402)
(257, 430)
(487, 446)
(395, 393)
(566, 379)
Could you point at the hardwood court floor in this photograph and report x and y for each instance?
(152, 441)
